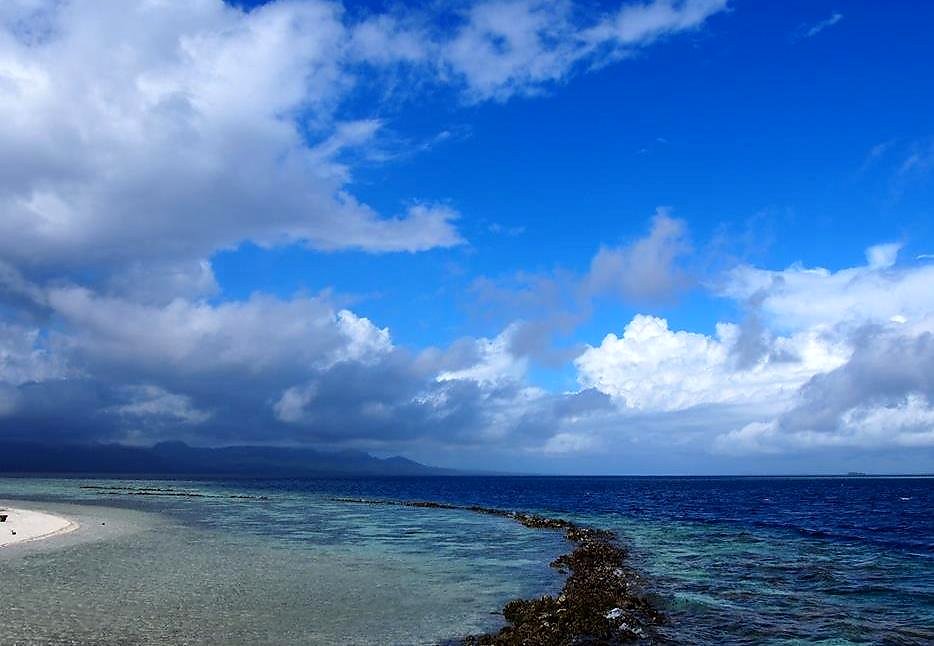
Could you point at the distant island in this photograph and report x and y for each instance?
(177, 458)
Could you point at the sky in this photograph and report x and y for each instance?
(650, 237)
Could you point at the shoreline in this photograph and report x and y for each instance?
(28, 525)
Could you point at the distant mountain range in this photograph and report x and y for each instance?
(177, 458)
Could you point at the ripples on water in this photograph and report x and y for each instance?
(732, 560)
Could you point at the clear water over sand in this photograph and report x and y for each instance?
(294, 569)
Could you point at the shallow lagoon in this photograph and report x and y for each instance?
(731, 560)
(293, 569)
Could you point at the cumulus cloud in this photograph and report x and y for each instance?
(139, 131)
(801, 297)
(135, 130)
(654, 368)
(543, 306)
(402, 398)
(882, 395)
(117, 368)
(304, 370)
(837, 359)
(258, 335)
(905, 424)
(646, 269)
(141, 138)
(262, 370)
(495, 362)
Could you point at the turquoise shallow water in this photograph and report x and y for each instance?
(731, 561)
(293, 569)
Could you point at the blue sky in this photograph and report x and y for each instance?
(740, 128)
(411, 229)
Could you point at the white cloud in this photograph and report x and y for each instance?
(508, 47)
(881, 396)
(754, 437)
(800, 297)
(163, 282)
(494, 363)
(296, 367)
(257, 335)
(136, 130)
(148, 401)
(561, 443)
(906, 423)
(809, 31)
(138, 133)
(26, 357)
(654, 368)
(387, 40)
(645, 269)
(540, 306)
(641, 23)
(882, 256)
(910, 422)
(139, 138)
(291, 406)
(842, 360)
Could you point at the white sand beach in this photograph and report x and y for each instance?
(22, 525)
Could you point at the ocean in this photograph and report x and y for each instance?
(770, 560)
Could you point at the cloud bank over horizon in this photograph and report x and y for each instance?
(142, 140)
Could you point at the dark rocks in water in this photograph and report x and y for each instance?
(163, 491)
(541, 522)
(600, 603)
(126, 488)
(578, 534)
(430, 505)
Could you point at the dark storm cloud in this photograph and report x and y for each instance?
(262, 370)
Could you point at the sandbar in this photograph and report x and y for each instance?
(24, 525)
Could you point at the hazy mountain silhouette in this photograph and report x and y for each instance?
(177, 458)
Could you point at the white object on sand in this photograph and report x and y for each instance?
(31, 526)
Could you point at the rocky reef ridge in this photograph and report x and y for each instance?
(601, 601)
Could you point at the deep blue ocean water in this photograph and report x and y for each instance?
(729, 560)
